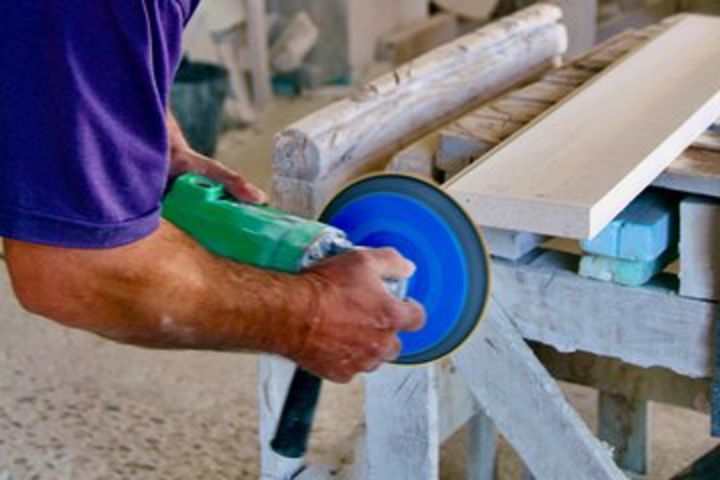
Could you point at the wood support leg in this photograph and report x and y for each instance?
(482, 448)
(624, 423)
(406, 398)
(527, 406)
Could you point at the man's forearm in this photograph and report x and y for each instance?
(164, 291)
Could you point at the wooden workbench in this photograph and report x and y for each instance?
(621, 331)
(634, 344)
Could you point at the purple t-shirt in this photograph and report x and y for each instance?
(83, 94)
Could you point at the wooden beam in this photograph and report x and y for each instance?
(550, 304)
(409, 102)
(417, 158)
(575, 188)
(619, 378)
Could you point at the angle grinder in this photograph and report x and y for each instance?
(451, 281)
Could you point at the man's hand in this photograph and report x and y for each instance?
(183, 159)
(356, 321)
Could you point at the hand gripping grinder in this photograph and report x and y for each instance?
(452, 279)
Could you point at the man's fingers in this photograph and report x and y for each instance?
(246, 191)
(407, 316)
(235, 184)
(392, 350)
(390, 264)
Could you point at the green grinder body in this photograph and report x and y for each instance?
(257, 235)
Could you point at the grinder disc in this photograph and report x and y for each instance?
(428, 227)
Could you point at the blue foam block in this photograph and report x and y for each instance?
(643, 231)
(632, 273)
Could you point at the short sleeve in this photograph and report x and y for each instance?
(83, 141)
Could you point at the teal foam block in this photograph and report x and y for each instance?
(633, 273)
(643, 231)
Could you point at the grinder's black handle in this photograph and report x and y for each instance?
(298, 413)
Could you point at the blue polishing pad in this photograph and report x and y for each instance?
(427, 227)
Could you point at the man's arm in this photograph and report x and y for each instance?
(165, 291)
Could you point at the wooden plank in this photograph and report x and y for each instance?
(694, 171)
(405, 44)
(411, 101)
(401, 409)
(550, 304)
(624, 423)
(417, 158)
(574, 189)
(700, 248)
(481, 130)
(527, 406)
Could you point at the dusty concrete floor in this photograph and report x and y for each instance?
(74, 407)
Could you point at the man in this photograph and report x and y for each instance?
(86, 148)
